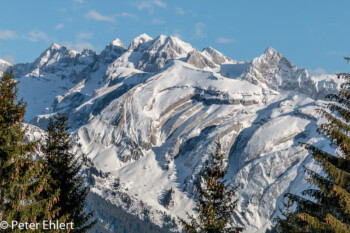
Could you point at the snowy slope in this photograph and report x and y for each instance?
(146, 118)
(4, 65)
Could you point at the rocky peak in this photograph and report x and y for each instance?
(51, 55)
(54, 46)
(139, 40)
(217, 57)
(163, 42)
(269, 57)
(112, 51)
(271, 51)
(162, 49)
(88, 52)
(198, 60)
(60, 61)
(274, 71)
(118, 43)
(87, 57)
(178, 45)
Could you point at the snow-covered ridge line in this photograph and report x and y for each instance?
(4, 65)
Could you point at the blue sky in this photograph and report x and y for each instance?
(312, 34)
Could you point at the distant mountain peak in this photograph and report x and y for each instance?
(3, 66)
(118, 42)
(166, 42)
(54, 46)
(270, 50)
(270, 56)
(112, 51)
(198, 60)
(209, 48)
(271, 69)
(3, 62)
(157, 52)
(51, 54)
(165, 38)
(216, 56)
(139, 40)
(144, 35)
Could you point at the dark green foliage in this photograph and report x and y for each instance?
(331, 210)
(215, 204)
(65, 170)
(288, 221)
(22, 174)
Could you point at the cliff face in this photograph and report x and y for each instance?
(146, 118)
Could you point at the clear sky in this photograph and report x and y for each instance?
(313, 34)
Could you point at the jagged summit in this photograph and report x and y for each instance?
(54, 54)
(271, 69)
(199, 60)
(118, 42)
(163, 42)
(139, 40)
(270, 50)
(49, 55)
(270, 55)
(54, 46)
(145, 36)
(210, 49)
(216, 56)
(157, 52)
(209, 58)
(112, 51)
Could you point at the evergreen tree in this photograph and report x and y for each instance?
(215, 203)
(65, 170)
(22, 175)
(331, 210)
(289, 220)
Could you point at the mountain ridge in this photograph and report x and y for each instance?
(149, 116)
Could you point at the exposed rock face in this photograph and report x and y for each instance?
(147, 118)
(60, 62)
(273, 70)
(112, 51)
(208, 58)
(134, 45)
(217, 57)
(168, 201)
(162, 50)
(198, 60)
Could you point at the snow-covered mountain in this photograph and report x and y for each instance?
(4, 65)
(146, 118)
